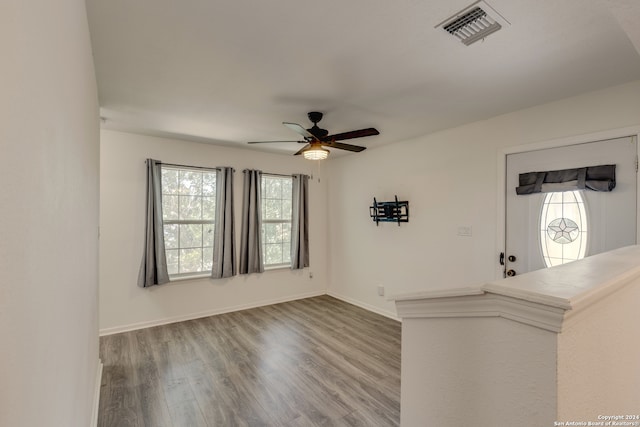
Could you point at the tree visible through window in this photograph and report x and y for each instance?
(188, 212)
(276, 220)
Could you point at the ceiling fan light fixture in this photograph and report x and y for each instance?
(316, 153)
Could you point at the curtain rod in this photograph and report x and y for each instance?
(191, 167)
(280, 174)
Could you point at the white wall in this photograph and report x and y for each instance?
(598, 369)
(450, 179)
(123, 305)
(480, 371)
(48, 215)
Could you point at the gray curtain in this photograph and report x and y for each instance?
(595, 178)
(153, 270)
(300, 223)
(251, 232)
(224, 235)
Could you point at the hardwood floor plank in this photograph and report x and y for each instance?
(312, 362)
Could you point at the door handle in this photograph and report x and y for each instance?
(501, 258)
(511, 273)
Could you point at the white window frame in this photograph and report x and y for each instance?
(179, 222)
(282, 220)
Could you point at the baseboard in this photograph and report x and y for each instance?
(191, 316)
(366, 306)
(96, 395)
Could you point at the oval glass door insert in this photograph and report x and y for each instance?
(563, 228)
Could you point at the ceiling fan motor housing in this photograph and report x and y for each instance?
(315, 130)
(314, 116)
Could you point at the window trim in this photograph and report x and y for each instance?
(196, 274)
(278, 266)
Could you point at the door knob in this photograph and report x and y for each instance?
(511, 273)
(512, 258)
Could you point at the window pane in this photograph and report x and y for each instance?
(286, 188)
(171, 236)
(286, 253)
(190, 207)
(190, 235)
(273, 254)
(172, 261)
(170, 206)
(286, 209)
(209, 208)
(271, 233)
(207, 235)
(209, 184)
(273, 188)
(169, 181)
(190, 260)
(190, 182)
(207, 259)
(286, 232)
(273, 209)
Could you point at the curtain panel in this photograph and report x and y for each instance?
(300, 223)
(224, 252)
(595, 178)
(251, 228)
(153, 269)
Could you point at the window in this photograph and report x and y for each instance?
(563, 228)
(188, 213)
(276, 220)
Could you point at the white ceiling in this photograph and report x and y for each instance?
(228, 72)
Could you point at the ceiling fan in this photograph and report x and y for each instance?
(316, 138)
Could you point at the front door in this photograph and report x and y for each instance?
(548, 229)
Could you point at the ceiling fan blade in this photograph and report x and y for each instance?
(341, 146)
(353, 134)
(269, 142)
(303, 149)
(302, 131)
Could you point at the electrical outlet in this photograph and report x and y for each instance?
(381, 290)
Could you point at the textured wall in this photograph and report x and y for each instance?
(49, 163)
(599, 360)
(484, 372)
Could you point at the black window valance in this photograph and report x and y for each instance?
(596, 178)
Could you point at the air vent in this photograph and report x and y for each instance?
(474, 23)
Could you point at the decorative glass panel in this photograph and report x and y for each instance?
(563, 228)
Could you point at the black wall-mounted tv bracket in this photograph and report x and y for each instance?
(396, 211)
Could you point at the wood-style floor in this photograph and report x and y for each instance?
(312, 362)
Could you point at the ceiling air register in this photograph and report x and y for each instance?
(474, 23)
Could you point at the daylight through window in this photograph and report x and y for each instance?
(188, 212)
(276, 220)
(563, 228)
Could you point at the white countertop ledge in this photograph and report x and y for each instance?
(555, 293)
